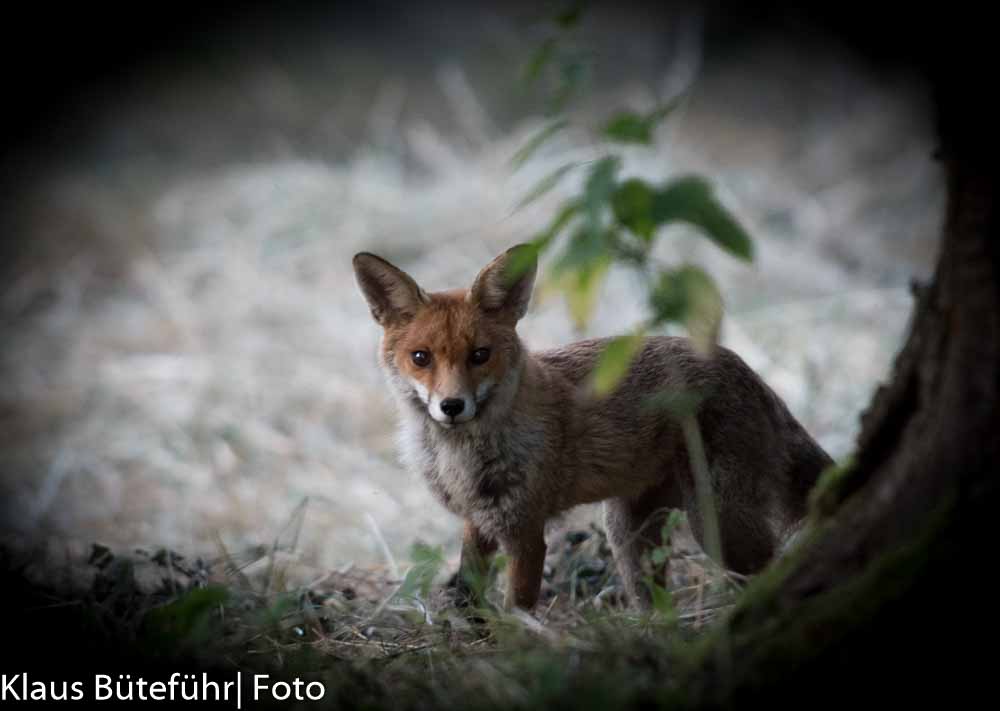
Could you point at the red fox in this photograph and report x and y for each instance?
(508, 439)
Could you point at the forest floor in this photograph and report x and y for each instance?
(371, 635)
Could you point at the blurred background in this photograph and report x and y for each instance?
(186, 358)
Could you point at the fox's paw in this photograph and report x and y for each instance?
(463, 597)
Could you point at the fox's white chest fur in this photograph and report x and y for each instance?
(479, 473)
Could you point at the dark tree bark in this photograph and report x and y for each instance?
(888, 596)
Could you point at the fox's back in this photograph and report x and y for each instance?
(662, 359)
(668, 375)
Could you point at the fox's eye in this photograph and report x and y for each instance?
(420, 358)
(479, 356)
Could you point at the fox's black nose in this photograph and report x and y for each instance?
(452, 406)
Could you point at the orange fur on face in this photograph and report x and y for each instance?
(450, 328)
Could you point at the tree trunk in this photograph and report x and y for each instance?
(887, 586)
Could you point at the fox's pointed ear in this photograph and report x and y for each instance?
(391, 293)
(504, 286)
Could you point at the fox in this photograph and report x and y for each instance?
(509, 439)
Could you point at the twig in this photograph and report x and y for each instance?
(393, 568)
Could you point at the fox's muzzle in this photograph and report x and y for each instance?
(453, 406)
(452, 410)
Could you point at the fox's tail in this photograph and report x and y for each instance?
(808, 462)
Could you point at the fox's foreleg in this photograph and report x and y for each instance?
(473, 569)
(524, 580)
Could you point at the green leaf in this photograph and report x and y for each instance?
(691, 199)
(272, 614)
(540, 58)
(669, 299)
(574, 71)
(678, 403)
(601, 180)
(689, 296)
(641, 209)
(570, 17)
(704, 316)
(585, 248)
(536, 142)
(521, 258)
(598, 190)
(189, 617)
(630, 127)
(427, 561)
(627, 127)
(632, 204)
(663, 602)
(614, 362)
(563, 218)
(584, 290)
(674, 519)
(666, 533)
(545, 185)
(659, 555)
(580, 282)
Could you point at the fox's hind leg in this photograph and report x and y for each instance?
(633, 525)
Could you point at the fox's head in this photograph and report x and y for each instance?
(451, 353)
